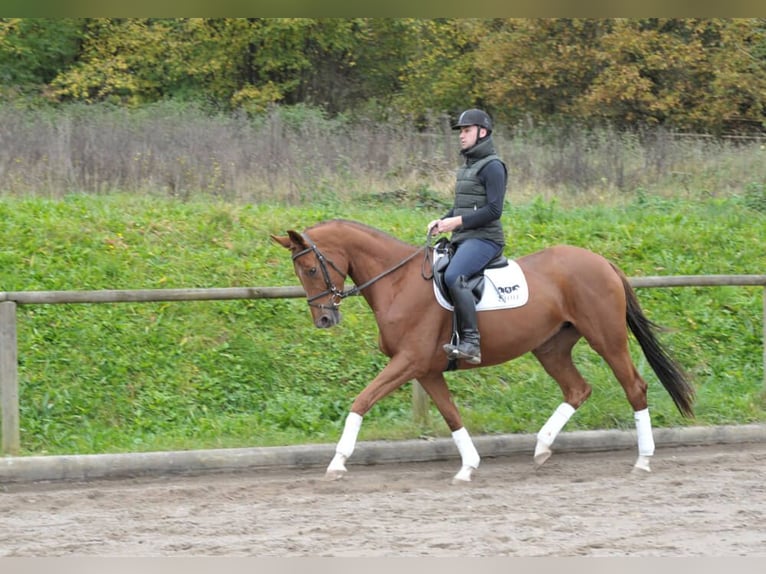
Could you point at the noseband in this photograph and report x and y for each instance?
(337, 295)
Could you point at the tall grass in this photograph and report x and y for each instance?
(298, 155)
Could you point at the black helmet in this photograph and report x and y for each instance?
(474, 117)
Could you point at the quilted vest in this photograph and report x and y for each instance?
(470, 195)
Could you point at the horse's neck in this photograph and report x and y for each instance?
(368, 259)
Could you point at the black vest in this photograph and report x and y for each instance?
(470, 195)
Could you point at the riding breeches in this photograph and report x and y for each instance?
(471, 256)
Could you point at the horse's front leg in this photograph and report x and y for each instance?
(436, 387)
(337, 467)
(397, 372)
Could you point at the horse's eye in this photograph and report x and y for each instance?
(313, 271)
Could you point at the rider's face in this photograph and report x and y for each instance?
(469, 135)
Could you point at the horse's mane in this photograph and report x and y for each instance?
(368, 229)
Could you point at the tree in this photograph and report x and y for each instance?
(34, 50)
(737, 98)
(696, 74)
(440, 74)
(234, 62)
(307, 60)
(685, 73)
(539, 68)
(129, 61)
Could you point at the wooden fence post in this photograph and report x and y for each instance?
(420, 402)
(9, 379)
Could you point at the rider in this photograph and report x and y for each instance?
(474, 221)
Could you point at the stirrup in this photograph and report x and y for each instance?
(451, 350)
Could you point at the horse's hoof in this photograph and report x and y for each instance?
(542, 453)
(463, 476)
(334, 474)
(642, 466)
(337, 467)
(542, 457)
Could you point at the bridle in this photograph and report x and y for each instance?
(337, 295)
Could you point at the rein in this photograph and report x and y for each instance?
(339, 294)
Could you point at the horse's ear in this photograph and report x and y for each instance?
(282, 240)
(297, 239)
(293, 240)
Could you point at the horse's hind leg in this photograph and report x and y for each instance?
(618, 359)
(556, 358)
(612, 345)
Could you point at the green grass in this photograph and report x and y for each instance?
(156, 376)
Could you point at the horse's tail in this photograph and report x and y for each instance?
(668, 372)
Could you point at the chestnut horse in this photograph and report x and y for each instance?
(573, 293)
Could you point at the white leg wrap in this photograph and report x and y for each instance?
(465, 447)
(555, 423)
(347, 440)
(346, 444)
(644, 431)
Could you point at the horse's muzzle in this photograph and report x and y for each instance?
(328, 318)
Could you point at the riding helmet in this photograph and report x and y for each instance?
(474, 117)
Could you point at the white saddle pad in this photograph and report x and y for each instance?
(504, 288)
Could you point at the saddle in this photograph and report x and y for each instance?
(443, 252)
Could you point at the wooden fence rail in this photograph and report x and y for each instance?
(9, 387)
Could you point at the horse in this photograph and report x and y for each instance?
(573, 293)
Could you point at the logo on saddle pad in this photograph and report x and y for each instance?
(502, 286)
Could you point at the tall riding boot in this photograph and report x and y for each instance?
(465, 312)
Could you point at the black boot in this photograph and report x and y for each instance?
(465, 312)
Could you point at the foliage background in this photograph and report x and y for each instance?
(685, 73)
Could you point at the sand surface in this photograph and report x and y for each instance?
(698, 501)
